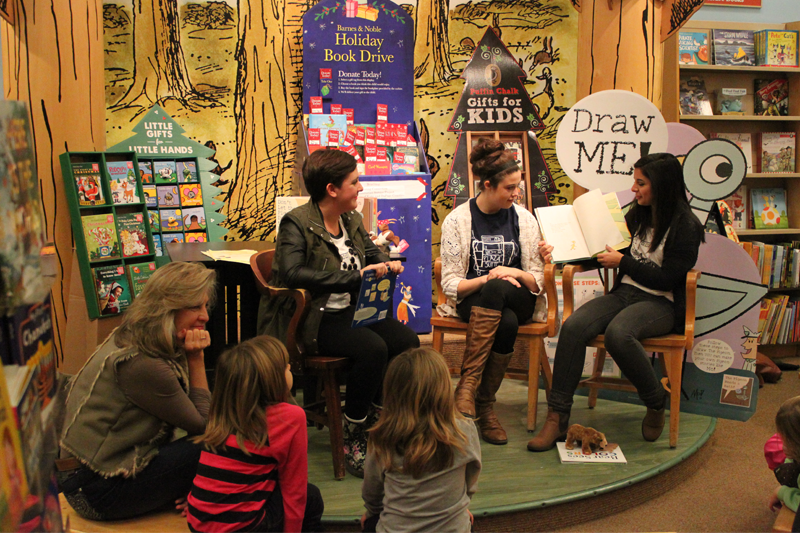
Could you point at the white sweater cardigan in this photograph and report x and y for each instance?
(456, 245)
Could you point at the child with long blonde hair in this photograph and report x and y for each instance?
(253, 472)
(423, 458)
(787, 422)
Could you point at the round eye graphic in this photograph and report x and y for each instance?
(714, 169)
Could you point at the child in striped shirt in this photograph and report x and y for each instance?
(253, 472)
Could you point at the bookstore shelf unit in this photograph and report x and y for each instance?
(717, 77)
(69, 162)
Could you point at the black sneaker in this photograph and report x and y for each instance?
(373, 415)
(355, 447)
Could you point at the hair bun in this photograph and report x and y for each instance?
(486, 149)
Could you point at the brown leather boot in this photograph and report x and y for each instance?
(480, 337)
(554, 429)
(653, 424)
(491, 430)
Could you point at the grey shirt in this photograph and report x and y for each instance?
(435, 502)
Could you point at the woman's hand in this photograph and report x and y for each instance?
(395, 266)
(380, 269)
(546, 251)
(503, 272)
(194, 341)
(775, 502)
(610, 258)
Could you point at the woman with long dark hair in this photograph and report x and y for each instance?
(648, 298)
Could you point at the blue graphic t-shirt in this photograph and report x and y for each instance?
(495, 241)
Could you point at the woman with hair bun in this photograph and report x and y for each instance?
(493, 261)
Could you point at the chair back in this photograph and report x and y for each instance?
(437, 274)
(261, 264)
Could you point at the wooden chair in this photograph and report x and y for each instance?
(671, 347)
(534, 333)
(328, 411)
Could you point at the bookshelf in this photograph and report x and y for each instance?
(723, 76)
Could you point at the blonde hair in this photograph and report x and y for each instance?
(248, 378)
(787, 422)
(148, 325)
(418, 420)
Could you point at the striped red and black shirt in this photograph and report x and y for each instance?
(231, 488)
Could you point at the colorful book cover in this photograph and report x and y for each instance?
(21, 381)
(113, 291)
(100, 234)
(122, 182)
(132, 234)
(693, 48)
(771, 97)
(169, 238)
(737, 202)
(171, 220)
(88, 181)
(194, 219)
(777, 48)
(150, 195)
(769, 208)
(325, 123)
(30, 339)
(777, 152)
(374, 299)
(734, 47)
(13, 482)
(168, 196)
(196, 236)
(191, 194)
(745, 144)
(694, 97)
(165, 171)
(146, 171)
(159, 248)
(138, 274)
(610, 453)
(155, 220)
(187, 171)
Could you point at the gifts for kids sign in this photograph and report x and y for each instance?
(603, 135)
(358, 54)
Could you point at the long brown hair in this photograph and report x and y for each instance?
(787, 423)
(418, 420)
(249, 377)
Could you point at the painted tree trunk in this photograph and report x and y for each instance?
(431, 44)
(53, 59)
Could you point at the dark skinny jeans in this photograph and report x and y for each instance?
(516, 303)
(626, 315)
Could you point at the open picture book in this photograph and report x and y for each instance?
(582, 230)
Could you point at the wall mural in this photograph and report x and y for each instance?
(229, 71)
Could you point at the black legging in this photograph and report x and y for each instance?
(369, 349)
(516, 303)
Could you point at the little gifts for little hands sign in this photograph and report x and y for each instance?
(358, 54)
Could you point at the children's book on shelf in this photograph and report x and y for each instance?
(194, 219)
(30, 339)
(169, 238)
(737, 202)
(694, 97)
(693, 48)
(326, 123)
(146, 171)
(21, 381)
(13, 483)
(168, 196)
(100, 234)
(374, 298)
(157, 245)
(171, 220)
(771, 97)
(582, 230)
(138, 274)
(611, 453)
(113, 291)
(769, 208)
(745, 144)
(515, 147)
(122, 182)
(89, 182)
(165, 171)
(777, 153)
(734, 47)
(196, 236)
(187, 171)
(191, 194)
(777, 48)
(155, 220)
(150, 195)
(133, 234)
(730, 100)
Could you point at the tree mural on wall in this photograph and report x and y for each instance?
(431, 43)
(159, 71)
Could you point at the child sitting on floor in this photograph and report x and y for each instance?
(253, 473)
(423, 458)
(787, 423)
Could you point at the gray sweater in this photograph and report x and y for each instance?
(435, 502)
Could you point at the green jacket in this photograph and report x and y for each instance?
(307, 258)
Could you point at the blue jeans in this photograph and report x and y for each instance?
(166, 478)
(625, 316)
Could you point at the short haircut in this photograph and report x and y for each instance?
(323, 167)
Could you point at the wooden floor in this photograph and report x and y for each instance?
(513, 479)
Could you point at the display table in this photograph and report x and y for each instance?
(228, 323)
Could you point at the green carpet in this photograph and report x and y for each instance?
(514, 479)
